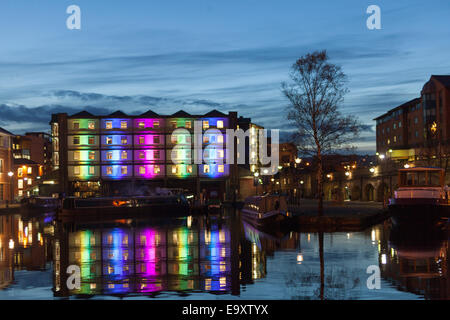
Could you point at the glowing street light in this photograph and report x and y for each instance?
(406, 166)
(372, 170)
(347, 173)
(256, 174)
(381, 156)
(298, 160)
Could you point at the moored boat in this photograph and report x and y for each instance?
(139, 206)
(268, 210)
(35, 204)
(421, 197)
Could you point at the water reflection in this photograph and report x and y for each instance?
(416, 260)
(146, 259)
(200, 256)
(24, 245)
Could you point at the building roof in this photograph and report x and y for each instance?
(83, 113)
(215, 113)
(117, 113)
(149, 113)
(406, 104)
(181, 114)
(443, 79)
(5, 131)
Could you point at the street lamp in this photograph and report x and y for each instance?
(298, 160)
(11, 185)
(255, 181)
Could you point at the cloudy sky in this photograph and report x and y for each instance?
(199, 55)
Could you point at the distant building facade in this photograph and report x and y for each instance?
(102, 154)
(34, 146)
(412, 129)
(6, 180)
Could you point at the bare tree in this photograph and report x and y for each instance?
(315, 93)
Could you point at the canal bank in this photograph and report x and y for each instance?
(343, 216)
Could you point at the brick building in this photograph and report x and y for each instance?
(101, 155)
(6, 179)
(404, 132)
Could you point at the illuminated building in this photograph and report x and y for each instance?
(101, 155)
(27, 175)
(5, 166)
(412, 129)
(35, 146)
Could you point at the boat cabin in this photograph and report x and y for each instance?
(421, 177)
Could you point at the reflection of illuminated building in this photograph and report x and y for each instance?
(145, 260)
(23, 245)
(6, 250)
(420, 267)
(254, 249)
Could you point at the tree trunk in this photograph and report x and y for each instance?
(320, 185)
(322, 267)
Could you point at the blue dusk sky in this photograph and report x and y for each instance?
(199, 55)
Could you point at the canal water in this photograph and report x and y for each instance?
(215, 257)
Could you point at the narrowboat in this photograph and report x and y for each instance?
(35, 204)
(138, 206)
(266, 210)
(421, 197)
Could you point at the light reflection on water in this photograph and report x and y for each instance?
(215, 258)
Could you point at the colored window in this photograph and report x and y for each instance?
(76, 125)
(76, 170)
(91, 140)
(109, 155)
(189, 169)
(155, 124)
(109, 170)
(124, 155)
(108, 140)
(206, 168)
(156, 154)
(124, 140)
(142, 170)
(76, 155)
(205, 124)
(187, 124)
(220, 168)
(91, 155)
(219, 124)
(108, 124)
(91, 170)
(142, 155)
(141, 124)
(76, 140)
(156, 169)
(123, 124)
(156, 140)
(124, 170)
(141, 140)
(91, 125)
